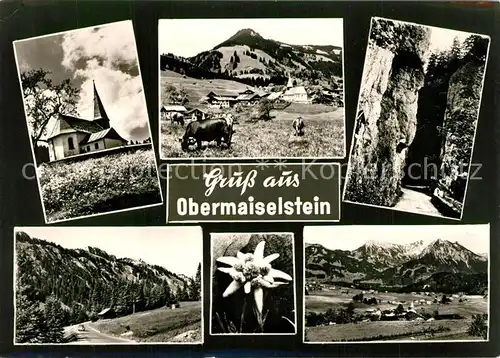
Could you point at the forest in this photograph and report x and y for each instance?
(432, 128)
(57, 287)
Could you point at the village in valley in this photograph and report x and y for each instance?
(282, 100)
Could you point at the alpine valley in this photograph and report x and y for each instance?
(441, 266)
(59, 289)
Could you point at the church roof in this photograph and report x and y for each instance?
(68, 124)
(99, 111)
(106, 133)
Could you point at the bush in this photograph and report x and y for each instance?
(478, 326)
(113, 182)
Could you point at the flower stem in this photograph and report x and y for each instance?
(242, 319)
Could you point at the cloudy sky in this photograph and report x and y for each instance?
(177, 248)
(188, 37)
(105, 54)
(474, 237)
(442, 39)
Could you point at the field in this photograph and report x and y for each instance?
(160, 325)
(440, 329)
(324, 131)
(97, 185)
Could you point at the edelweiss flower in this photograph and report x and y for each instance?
(253, 272)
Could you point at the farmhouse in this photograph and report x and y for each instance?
(248, 98)
(165, 110)
(106, 313)
(196, 114)
(71, 135)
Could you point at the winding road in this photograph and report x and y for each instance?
(415, 201)
(92, 336)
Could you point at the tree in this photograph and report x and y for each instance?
(175, 95)
(54, 319)
(44, 100)
(30, 321)
(350, 308)
(197, 284)
(263, 109)
(399, 309)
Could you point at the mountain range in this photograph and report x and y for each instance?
(415, 264)
(247, 56)
(93, 279)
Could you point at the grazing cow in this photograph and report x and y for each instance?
(298, 126)
(176, 117)
(207, 130)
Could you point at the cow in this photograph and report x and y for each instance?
(298, 126)
(176, 117)
(207, 130)
(229, 119)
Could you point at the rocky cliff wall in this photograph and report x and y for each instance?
(386, 121)
(459, 126)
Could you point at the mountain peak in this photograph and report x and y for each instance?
(376, 243)
(245, 33)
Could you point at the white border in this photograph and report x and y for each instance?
(344, 152)
(131, 343)
(29, 133)
(392, 341)
(294, 282)
(286, 164)
(357, 110)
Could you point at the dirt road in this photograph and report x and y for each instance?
(92, 336)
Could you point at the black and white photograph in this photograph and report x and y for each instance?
(108, 285)
(87, 121)
(252, 284)
(251, 88)
(416, 120)
(406, 283)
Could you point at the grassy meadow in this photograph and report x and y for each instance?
(97, 185)
(439, 329)
(182, 325)
(324, 127)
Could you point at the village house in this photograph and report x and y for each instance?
(220, 100)
(227, 100)
(72, 136)
(249, 97)
(196, 114)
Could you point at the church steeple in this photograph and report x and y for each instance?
(100, 115)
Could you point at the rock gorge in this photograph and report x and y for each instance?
(405, 83)
(387, 111)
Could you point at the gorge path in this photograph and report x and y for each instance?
(417, 202)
